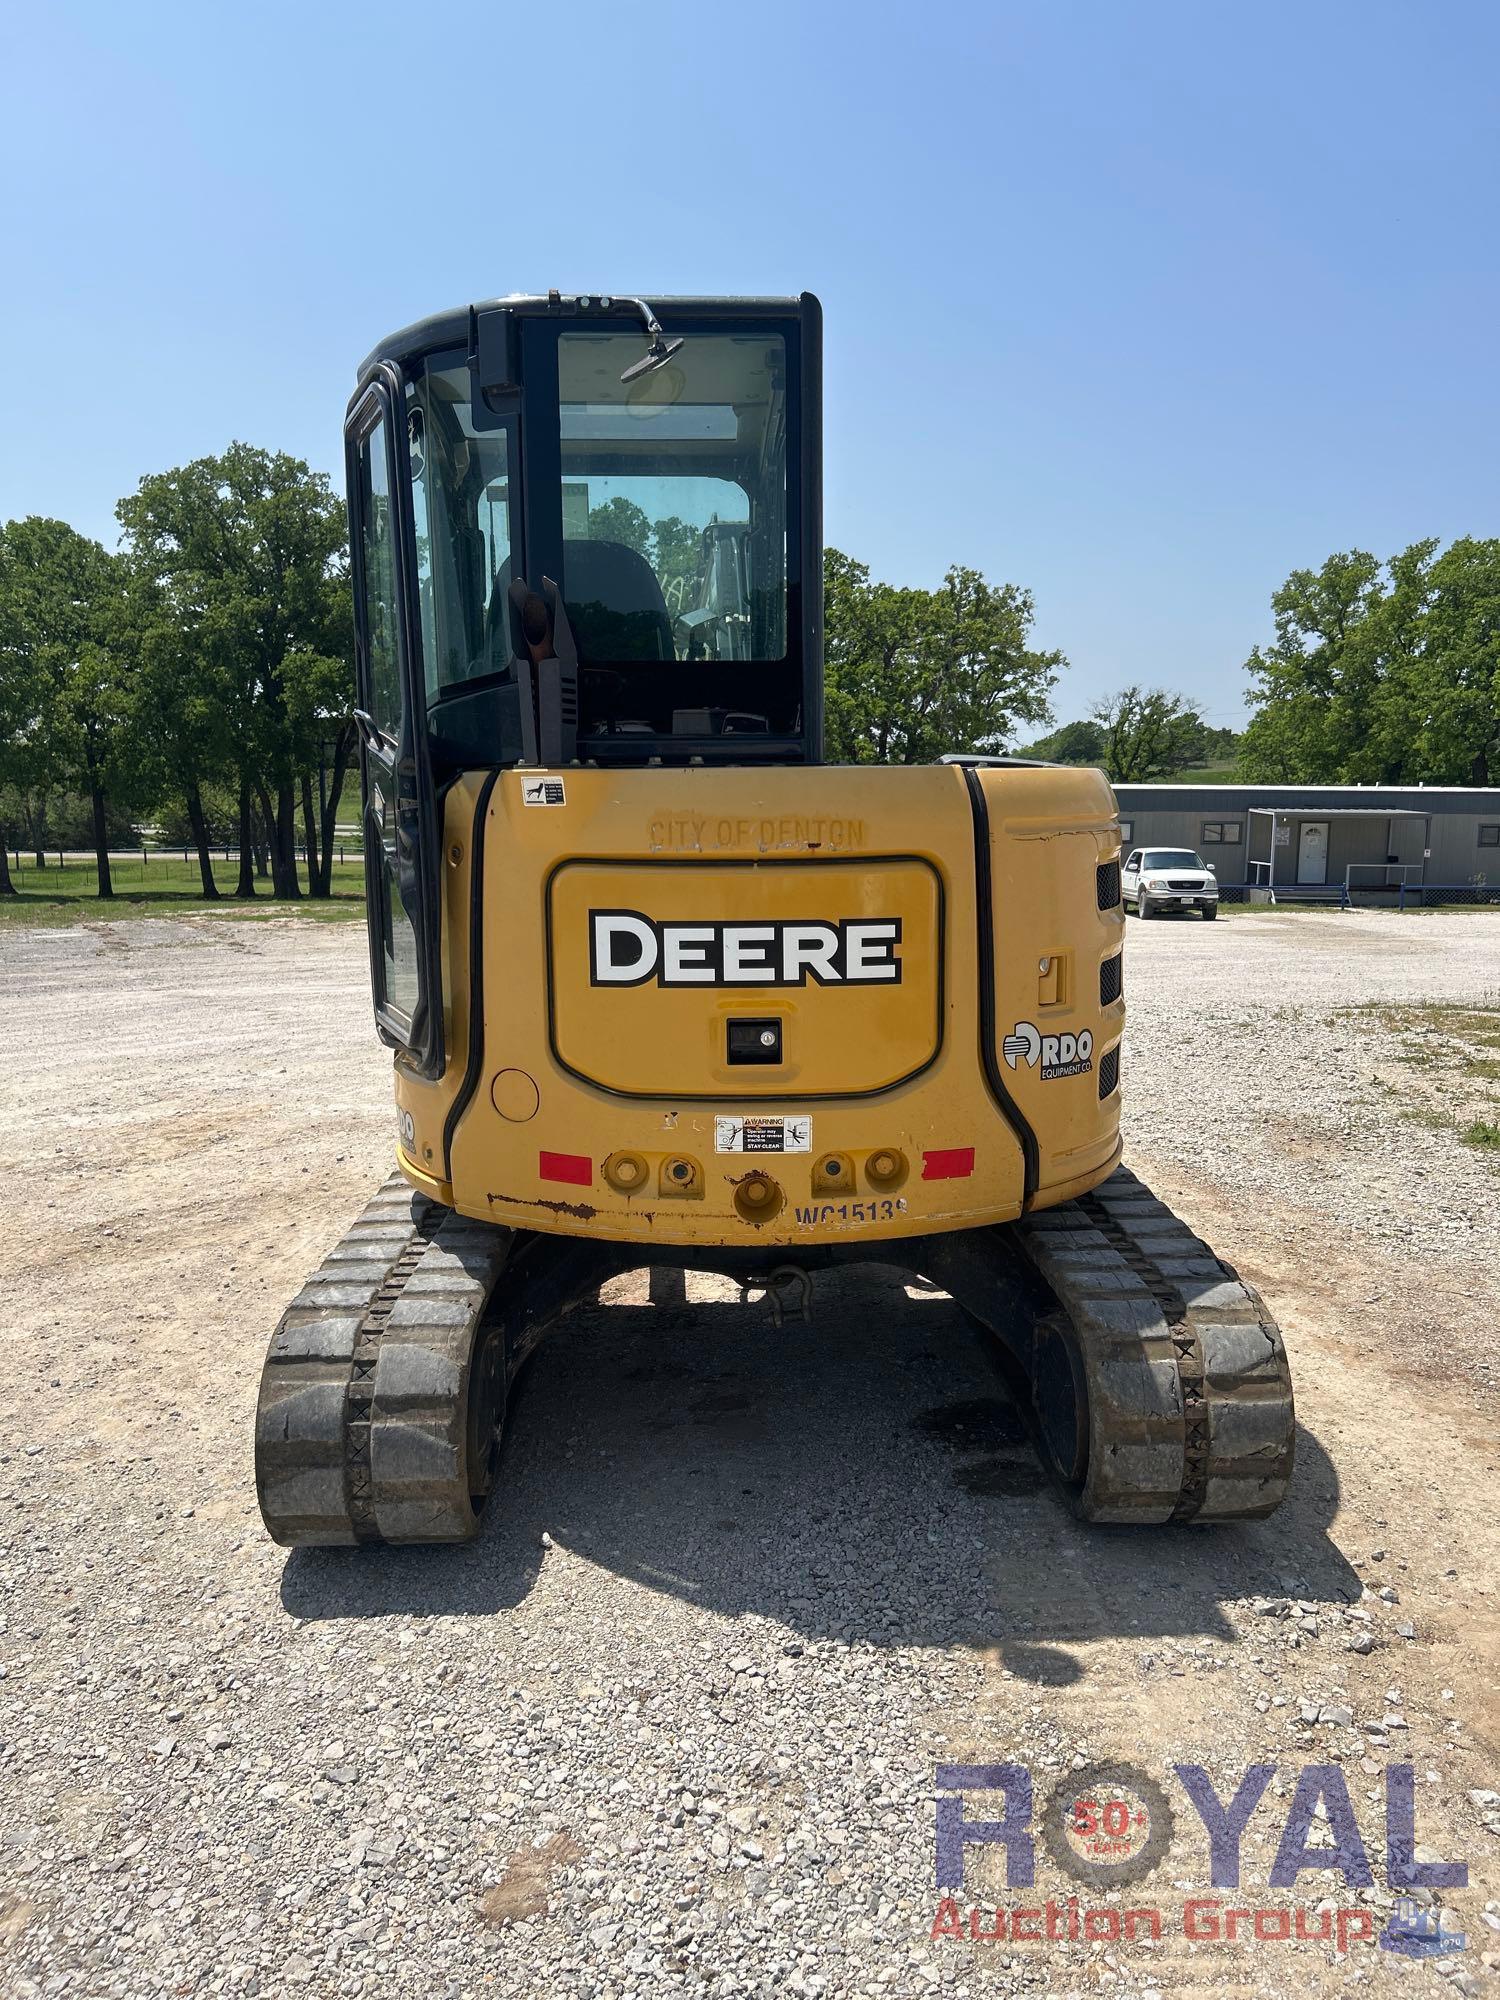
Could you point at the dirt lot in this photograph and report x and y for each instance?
(671, 1726)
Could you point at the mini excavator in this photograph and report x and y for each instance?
(664, 988)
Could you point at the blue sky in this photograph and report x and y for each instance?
(1139, 305)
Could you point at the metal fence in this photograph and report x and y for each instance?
(1395, 895)
(159, 872)
(1375, 883)
(1458, 895)
(84, 857)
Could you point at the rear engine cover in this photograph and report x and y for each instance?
(649, 962)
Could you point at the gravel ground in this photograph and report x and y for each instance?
(1306, 1068)
(670, 1727)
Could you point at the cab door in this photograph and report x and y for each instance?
(402, 904)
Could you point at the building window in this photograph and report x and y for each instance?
(1489, 836)
(1221, 833)
(1127, 832)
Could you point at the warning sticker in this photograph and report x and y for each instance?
(762, 1135)
(543, 792)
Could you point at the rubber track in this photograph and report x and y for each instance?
(1190, 1399)
(361, 1427)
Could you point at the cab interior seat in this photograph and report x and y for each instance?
(614, 600)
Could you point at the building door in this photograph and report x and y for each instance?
(1312, 851)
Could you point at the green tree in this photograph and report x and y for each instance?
(676, 556)
(23, 706)
(1220, 747)
(180, 731)
(1147, 733)
(239, 564)
(914, 674)
(620, 520)
(64, 667)
(1075, 743)
(1439, 707)
(1314, 682)
(320, 706)
(1382, 673)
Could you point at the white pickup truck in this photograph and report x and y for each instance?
(1168, 878)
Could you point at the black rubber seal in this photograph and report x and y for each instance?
(989, 1039)
(475, 1063)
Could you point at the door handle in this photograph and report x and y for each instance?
(365, 722)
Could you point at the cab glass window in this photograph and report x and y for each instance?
(392, 928)
(378, 549)
(675, 498)
(462, 483)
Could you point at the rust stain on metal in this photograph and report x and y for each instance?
(581, 1211)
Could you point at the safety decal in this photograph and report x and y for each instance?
(543, 792)
(1058, 1055)
(762, 1135)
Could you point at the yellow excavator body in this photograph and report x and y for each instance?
(663, 987)
(644, 925)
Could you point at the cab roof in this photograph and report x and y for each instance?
(454, 327)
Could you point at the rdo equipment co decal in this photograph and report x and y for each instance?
(1059, 1055)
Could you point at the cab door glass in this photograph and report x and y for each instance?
(394, 951)
(461, 479)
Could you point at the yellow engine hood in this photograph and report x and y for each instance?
(649, 962)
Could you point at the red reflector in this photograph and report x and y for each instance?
(577, 1169)
(955, 1164)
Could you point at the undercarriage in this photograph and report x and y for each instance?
(1153, 1378)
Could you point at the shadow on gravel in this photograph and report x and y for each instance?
(866, 1477)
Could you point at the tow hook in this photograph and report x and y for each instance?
(789, 1294)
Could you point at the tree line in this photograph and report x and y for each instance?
(1380, 673)
(1139, 736)
(202, 672)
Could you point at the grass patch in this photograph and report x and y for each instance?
(1448, 1047)
(1206, 774)
(1437, 1017)
(162, 886)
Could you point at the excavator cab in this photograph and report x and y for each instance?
(652, 504)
